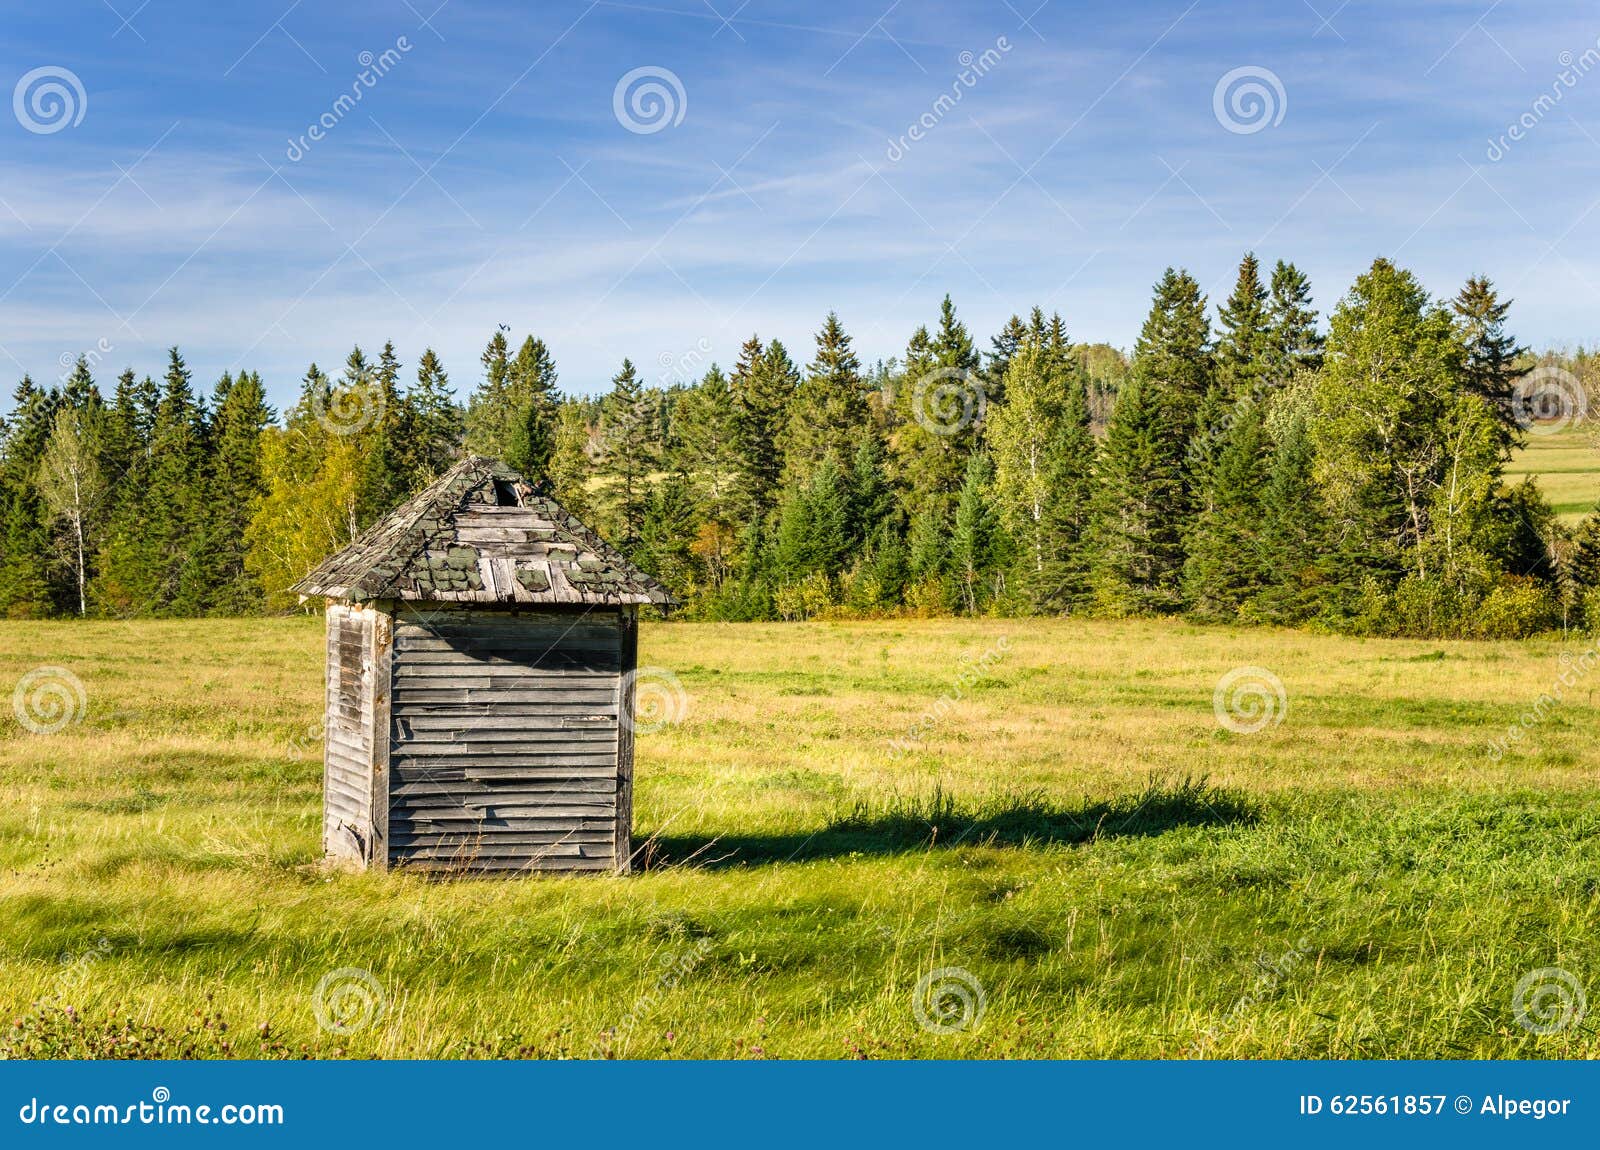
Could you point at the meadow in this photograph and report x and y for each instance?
(1114, 866)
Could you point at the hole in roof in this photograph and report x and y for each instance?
(505, 494)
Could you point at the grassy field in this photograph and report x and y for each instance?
(1360, 877)
(1567, 465)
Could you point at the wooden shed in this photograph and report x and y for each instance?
(481, 650)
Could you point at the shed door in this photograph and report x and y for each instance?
(505, 739)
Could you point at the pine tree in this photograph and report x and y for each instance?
(25, 555)
(829, 412)
(1138, 536)
(940, 409)
(1003, 347)
(708, 446)
(1243, 341)
(174, 531)
(242, 415)
(1172, 357)
(491, 409)
(763, 384)
(1491, 370)
(626, 457)
(1295, 536)
(570, 464)
(436, 425)
(976, 541)
(1223, 567)
(533, 400)
(1292, 340)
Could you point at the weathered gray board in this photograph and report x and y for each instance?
(348, 739)
(505, 738)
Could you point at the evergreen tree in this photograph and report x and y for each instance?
(829, 412)
(1492, 354)
(764, 384)
(242, 415)
(570, 465)
(1292, 340)
(1243, 340)
(491, 409)
(25, 555)
(976, 542)
(435, 425)
(1138, 538)
(534, 399)
(626, 457)
(939, 414)
(1295, 536)
(708, 446)
(1223, 568)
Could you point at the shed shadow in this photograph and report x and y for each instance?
(904, 825)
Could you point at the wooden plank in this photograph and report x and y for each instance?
(381, 682)
(487, 772)
(538, 740)
(493, 866)
(625, 705)
(559, 726)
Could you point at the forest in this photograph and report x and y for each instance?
(1254, 469)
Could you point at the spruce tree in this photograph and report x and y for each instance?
(25, 554)
(242, 415)
(1292, 340)
(976, 542)
(1137, 533)
(436, 425)
(829, 413)
(1242, 342)
(1295, 538)
(1491, 369)
(1224, 565)
(940, 408)
(533, 411)
(626, 456)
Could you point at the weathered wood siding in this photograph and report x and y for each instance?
(504, 738)
(348, 739)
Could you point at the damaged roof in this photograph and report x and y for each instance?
(481, 533)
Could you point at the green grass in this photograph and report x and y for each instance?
(1567, 467)
(1122, 876)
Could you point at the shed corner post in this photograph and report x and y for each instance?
(629, 660)
(380, 685)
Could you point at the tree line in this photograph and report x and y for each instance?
(1254, 469)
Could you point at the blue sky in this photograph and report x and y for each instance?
(486, 176)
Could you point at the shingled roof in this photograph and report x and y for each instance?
(482, 534)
